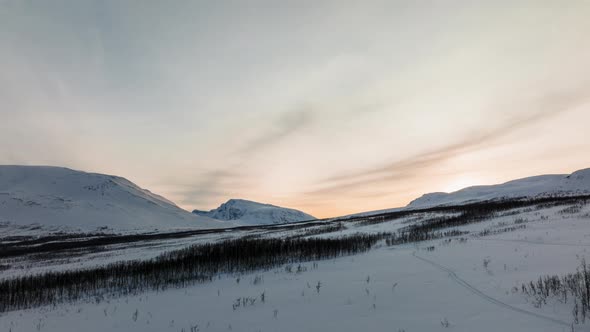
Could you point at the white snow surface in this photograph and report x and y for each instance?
(577, 183)
(400, 288)
(244, 212)
(56, 196)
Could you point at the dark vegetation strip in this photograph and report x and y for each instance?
(198, 263)
(195, 264)
(412, 236)
(488, 231)
(49, 244)
(474, 210)
(328, 228)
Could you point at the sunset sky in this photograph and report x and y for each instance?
(331, 107)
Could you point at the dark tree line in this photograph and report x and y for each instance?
(97, 241)
(324, 229)
(474, 211)
(477, 212)
(403, 237)
(195, 264)
(488, 232)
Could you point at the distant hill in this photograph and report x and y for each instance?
(56, 196)
(245, 212)
(553, 185)
(577, 183)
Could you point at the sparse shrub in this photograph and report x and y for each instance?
(301, 268)
(486, 262)
(258, 280)
(573, 209)
(134, 316)
(574, 286)
(243, 302)
(488, 231)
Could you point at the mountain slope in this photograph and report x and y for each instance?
(577, 183)
(55, 196)
(245, 212)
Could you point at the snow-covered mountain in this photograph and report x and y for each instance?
(577, 183)
(243, 212)
(55, 196)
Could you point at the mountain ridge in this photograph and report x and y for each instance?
(63, 197)
(246, 212)
(576, 183)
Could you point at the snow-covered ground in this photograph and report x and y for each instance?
(468, 281)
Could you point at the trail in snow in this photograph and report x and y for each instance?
(490, 299)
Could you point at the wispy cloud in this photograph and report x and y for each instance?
(285, 125)
(208, 188)
(213, 186)
(226, 100)
(547, 106)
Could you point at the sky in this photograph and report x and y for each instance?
(330, 107)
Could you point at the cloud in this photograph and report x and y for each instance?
(287, 124)
(209, 188)
(547, 106)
